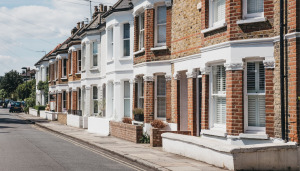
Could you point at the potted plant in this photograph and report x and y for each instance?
(138, 114)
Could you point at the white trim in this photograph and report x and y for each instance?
(252, 20)
(156, 97)
(221, 25)
(159, 48)
(140, 51)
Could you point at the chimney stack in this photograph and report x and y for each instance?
(110, 7)
(82, 24)
(105, 8)
(95, 9)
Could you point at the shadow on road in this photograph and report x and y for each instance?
(3, 127)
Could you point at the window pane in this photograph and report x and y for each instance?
(162, 32)
(220, 110)
(142, 21)
(95, 92)
(161, 15)
(161, 106)
(255, 6)
(261, 76)
(256, 111)
(161, 85)
(219, 79)
(126, 31)
(95, 47)
(127, 107)
(95, 60)
(95, 106)
(251, 76)
(126, 47)
(219, 10)
(126, 89)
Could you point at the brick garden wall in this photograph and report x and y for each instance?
(155, 137)
(127, 132)
(62, 118)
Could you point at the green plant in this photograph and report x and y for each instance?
(145, 139)
(138, 111)
(158, 124)
(127, 120)
(26, 110)
(30, 101)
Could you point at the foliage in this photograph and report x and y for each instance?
(138, 111)
(24, 90)
(39, 107)
(145, 139)
(127, 120)
(30, 101)
(26, 110)
(3, 94)
(11, 81)
(158, 124)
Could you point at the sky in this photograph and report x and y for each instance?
(28, 27)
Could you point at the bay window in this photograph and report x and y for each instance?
(95, 54)
(253, 8)
(160, 96)
(216, 12)
(79, 61)
(110, 43)
(256, 96)
(64, 68)
(95, 100)
(126, 99)
(161, 25)
(141, 28)
(219, 96)
(126, 40)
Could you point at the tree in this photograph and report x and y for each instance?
(11, 81)
(26, 89)
(3, 94)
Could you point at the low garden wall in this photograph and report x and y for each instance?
(156, 139)
(127, 132)
(62, 118)
(33, 112)
(74, 120)
(98, 125)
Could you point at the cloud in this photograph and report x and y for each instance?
(30, 28)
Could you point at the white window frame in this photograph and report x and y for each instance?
(141, 31)
(126, 98)
(71, 63)
(212, 102)
(95, 100)
(140, 94)
(110, 46)
(156, 44)
(246, 127)
(156, 97)
(64, 66)
(212, 23)
(126, 39)
(83, 57)
(79, 62)
(94, 55)
(254, 15)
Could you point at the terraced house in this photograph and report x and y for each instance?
(224, 71)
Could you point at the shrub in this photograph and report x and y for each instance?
(30, 102)
(39, 107)
(138, 111)
(127, 120)
(145, 139)
(158, 124)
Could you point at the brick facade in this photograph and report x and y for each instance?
(234, 102)
(269, 77)
(59, 102)
(205, 102)
(148, 101)
(192, 106)
(156, 139)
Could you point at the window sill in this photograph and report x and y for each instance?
(94, 69)
(259, 136)
(110, 62)
(217, 133)
(70, 74)
(79, 73)
(137, 123)
(125, 58)
(82, 71)
(159, 48)
(214, 28)
(140, 51)
(252, 20)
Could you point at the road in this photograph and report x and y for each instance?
(23, 147)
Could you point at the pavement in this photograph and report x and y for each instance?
(152, 157)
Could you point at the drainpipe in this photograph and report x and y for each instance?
(282, 70)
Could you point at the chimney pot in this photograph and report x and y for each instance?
(82, 24)
(96, 9)
(101, 7)
(78, 25)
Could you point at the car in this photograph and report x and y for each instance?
(16, 107)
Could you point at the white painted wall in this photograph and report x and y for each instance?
(75, 121)
(99, 126)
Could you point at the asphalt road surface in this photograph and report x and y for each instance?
(23, 147)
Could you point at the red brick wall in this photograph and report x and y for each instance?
(156, 139)
(127, 132)
(234, 102)
(192, 107)
(148, 101)
(59, 102)
(205, 102)
(168, 101)
(174, 102)
(269, 77)
(74, 100)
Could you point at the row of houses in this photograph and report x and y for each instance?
(211, 68)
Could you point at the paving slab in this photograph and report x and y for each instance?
(153, 157)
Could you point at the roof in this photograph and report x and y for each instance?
(121, 5)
